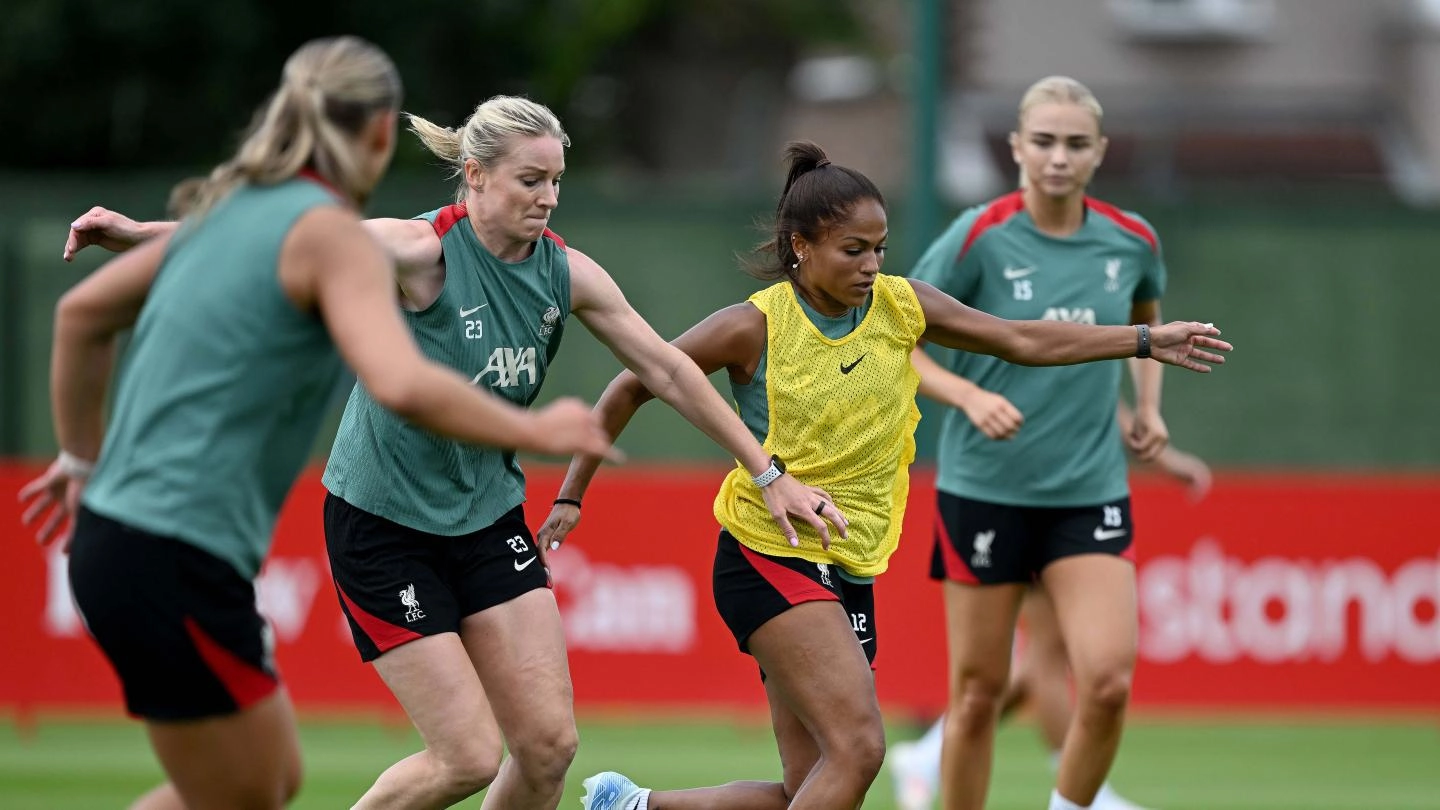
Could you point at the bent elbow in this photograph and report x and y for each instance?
(75, 316)
(396, 391)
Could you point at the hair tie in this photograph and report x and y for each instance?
(822, 163)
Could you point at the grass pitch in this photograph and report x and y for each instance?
(1235, 764)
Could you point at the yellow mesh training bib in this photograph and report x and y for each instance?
(842, 417)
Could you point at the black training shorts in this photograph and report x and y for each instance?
(752, 588)
(983, 543)
(397, 584)
(178, 624)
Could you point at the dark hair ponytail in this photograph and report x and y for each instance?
(817, 194)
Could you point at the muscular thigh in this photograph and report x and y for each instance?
(518, 650)
(1096, 606)
(816, 671)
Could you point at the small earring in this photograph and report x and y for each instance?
(795, 266)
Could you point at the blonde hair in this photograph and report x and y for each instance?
(329, 90)
(1060, 90)
(486, 134)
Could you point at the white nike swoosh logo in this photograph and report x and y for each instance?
(519, 566)
(465, 313)
(867, 640)
(1012, 273)
(1102, 534)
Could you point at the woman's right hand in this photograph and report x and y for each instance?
(108, 229)
(56, 491)
(563, 519)
(567, 426)
(992, 414)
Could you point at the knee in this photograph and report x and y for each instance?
(544, 759)
(868, 751)
(1107, 692)
(471, 771)
(855, 758)
(976, 699)
(270, 794)
(290, 781)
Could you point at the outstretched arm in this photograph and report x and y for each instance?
(670, 372)
(111, 230)
(1055, 343)
(410, 243)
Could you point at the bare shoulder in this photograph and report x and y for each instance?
(743, 318)
(733, 338)
(583, 266)
(327, 242)
(412, 243)
(590, 286)
(326, 229)
(924, 291)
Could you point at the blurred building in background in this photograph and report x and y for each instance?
(1193, 90)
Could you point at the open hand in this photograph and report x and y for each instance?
(57, 493)
(1184, 344)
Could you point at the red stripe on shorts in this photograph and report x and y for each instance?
(956, 568)
(792, 585)
(1129, 552)
(385, 635)
(246, 683)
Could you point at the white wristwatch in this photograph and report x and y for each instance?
(774, 471)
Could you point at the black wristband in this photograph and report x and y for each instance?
(1142, 340)
(570, 501)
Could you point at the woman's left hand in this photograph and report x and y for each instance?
(1184, 344)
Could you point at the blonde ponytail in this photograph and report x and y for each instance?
(486, 134)
(329, 90)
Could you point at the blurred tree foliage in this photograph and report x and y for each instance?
(92, 85)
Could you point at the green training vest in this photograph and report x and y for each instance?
(224, 385)
(498, 324)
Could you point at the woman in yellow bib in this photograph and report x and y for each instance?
(819, 366)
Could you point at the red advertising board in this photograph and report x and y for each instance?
(1277, 591)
